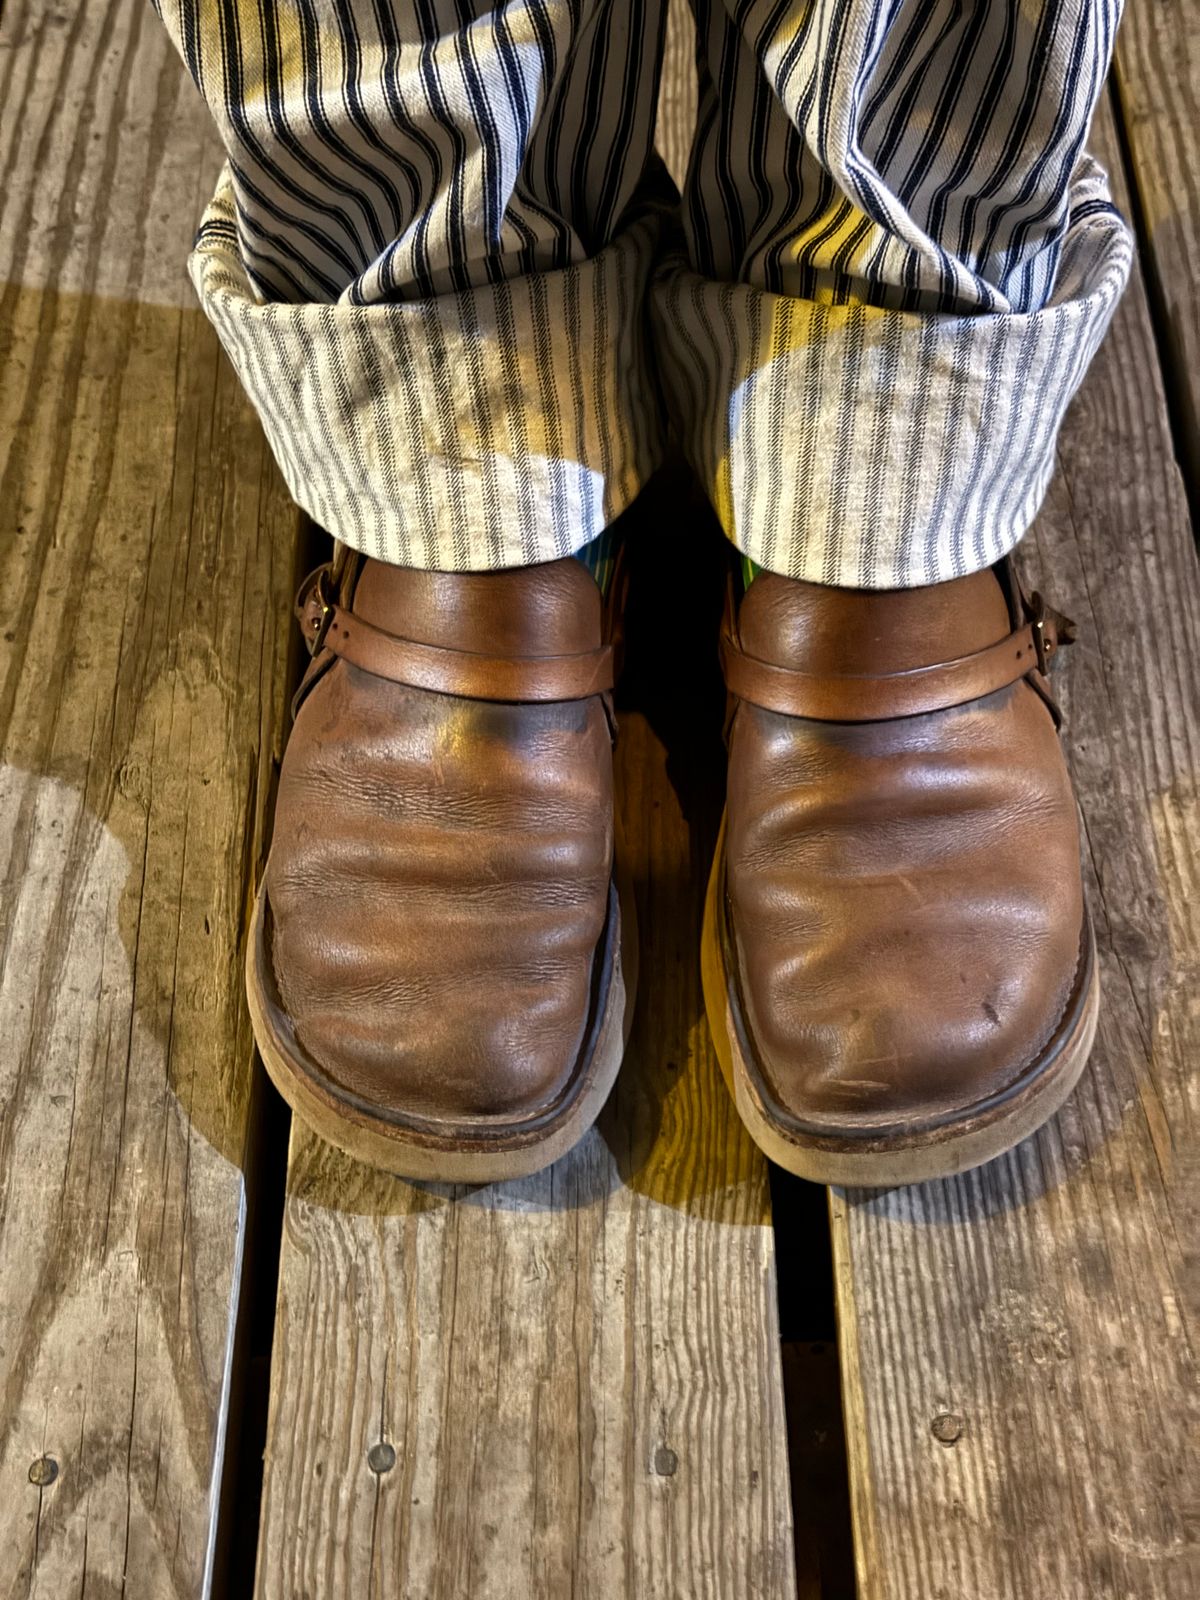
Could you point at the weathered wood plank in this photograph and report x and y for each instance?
(579, 1374)
(1157, 74)
(144, 574)
(1018, 1344)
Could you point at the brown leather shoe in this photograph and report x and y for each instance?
(899, 967)
(441, 972)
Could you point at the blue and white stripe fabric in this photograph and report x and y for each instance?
(448, 268)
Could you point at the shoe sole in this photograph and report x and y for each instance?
(483, 1151)
(862, 1161)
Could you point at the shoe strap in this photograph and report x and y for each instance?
(331, 631)
(825, 697)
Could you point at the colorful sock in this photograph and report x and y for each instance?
(600, 558)
(750, 571)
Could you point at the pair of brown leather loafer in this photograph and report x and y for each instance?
(898, 964)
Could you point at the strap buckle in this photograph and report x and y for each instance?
(1050, 629)
(1036, 608)
(326, 600)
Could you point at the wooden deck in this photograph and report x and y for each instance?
(230, 1371)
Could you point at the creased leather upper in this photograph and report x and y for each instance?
(438, 880)
(904, 895)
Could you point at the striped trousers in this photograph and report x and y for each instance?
(470, 306)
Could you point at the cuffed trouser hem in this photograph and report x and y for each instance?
(877, 449)
(497, 427)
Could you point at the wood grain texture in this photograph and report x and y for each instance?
(579, 1373)
(144, 575)
(1018, 1344)
(1157, 74)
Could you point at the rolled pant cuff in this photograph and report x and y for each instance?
(496, 427)
(867, 448)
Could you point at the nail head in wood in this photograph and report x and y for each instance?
(947, 1427)
(43, 1471)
